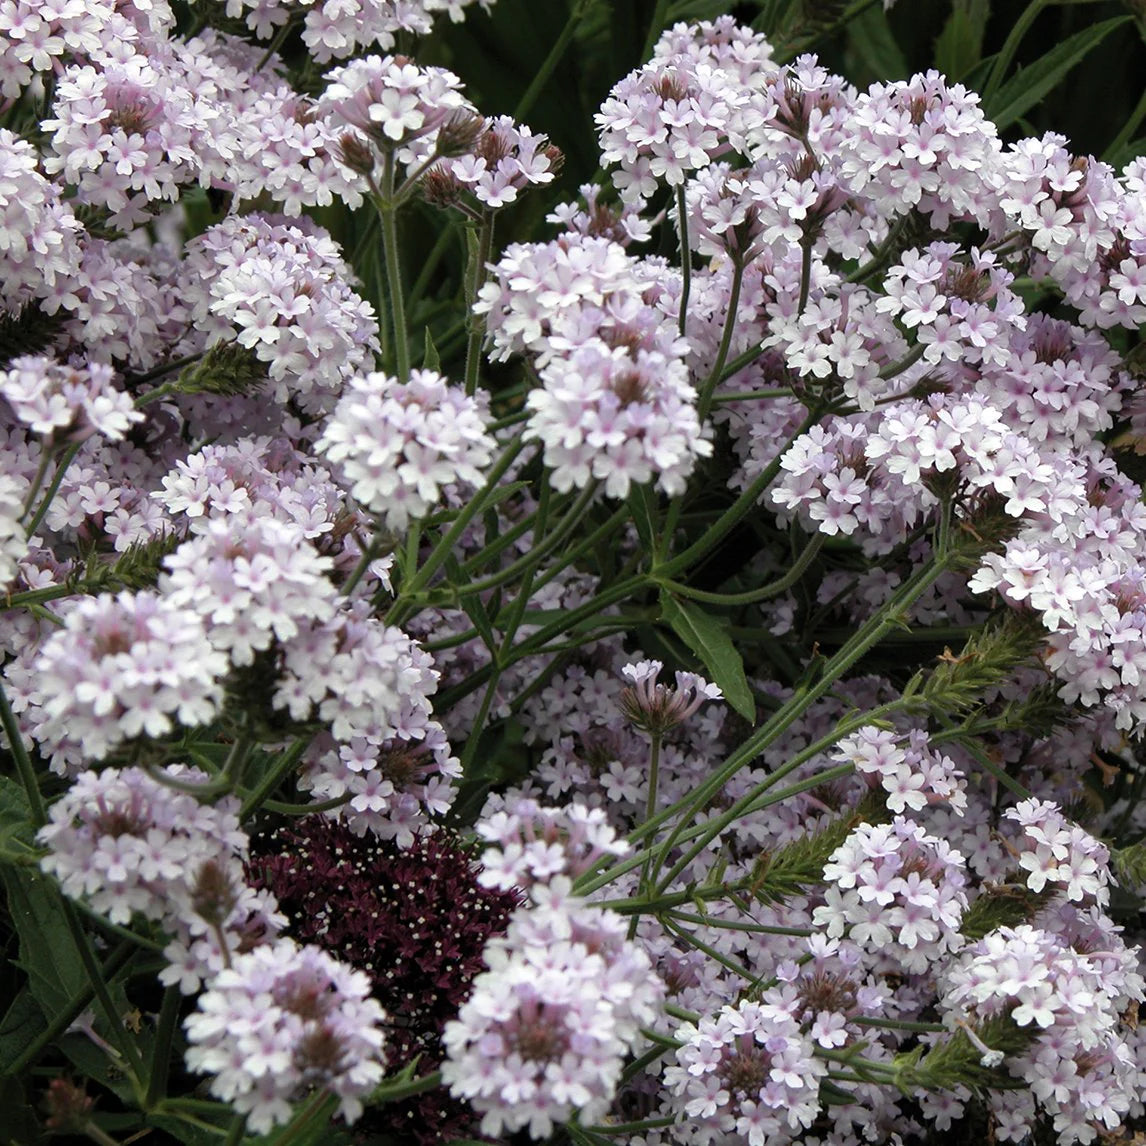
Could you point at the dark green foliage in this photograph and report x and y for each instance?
(28, 331)
(1006, 906)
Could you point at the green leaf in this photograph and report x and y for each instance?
(21, 1026)
(16, 833)
(431, 360)
(873, 42)
(643, 506)
(708, 640)
(47, 953)
(960, 44)
(1028, 86)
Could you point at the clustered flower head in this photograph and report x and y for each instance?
(334, 30)
(748, 1072)
(400, 445)
(282, 291)
(549, 1025)
(415, 919)
(503, 159)
(395, 104)
(61, 401)
(896, 892)
(126, 842)
(616, 403)
(656, 707)
(282, 1021)
(527, 843)
(911, 773)
(122, 666)
(1066, 984)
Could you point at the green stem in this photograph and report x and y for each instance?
(368, 554)
(745, 358)
(61, 468)
(685, 257)
(780, 585)
(869, 635)
(406, 1088)
(129, 1052)
(37, 481)
(23, 761)
(1128, 129)
(64, 1018)
(235, 1133)
(475, 322)
(161, 1053)
(732, 516)
(549, 64)
(386, 211)
(806, 244)
(752, 395)
(445, 545)
(275, 775)
(704, 404)
(534, 557)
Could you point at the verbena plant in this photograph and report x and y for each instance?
(485, 660)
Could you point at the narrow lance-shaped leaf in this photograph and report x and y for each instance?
(707, 638)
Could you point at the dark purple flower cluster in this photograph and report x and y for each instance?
(417, 921)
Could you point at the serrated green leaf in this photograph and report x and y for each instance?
(1028, 86)
(16, 832)
(431, 359)
(47, 953)
(707, 638)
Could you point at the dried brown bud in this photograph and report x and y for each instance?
(440, 188)
(354, 152)
(459, 134)
(68, 1106)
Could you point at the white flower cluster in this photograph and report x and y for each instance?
(896, 892)
(122, 666)
(251, 580)
(125, 842)
(399, 446)
(283, 291)
(280, 1021)
(549, 1025)
(67, 401)
(616, 402)
(749, 1072)
(38, 232)
(1069, 990)
(13, 543)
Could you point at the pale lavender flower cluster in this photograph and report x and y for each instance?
(506, 157)
(67, 402)
(616, 403)
(334, 29)
(13, 542)
(252, 580)
(550, 1024)
(527, 843)
(38, 231)
(122, 666)
(282, 291)
(399, 446)
(897, 892)
(911, 773)
(749, 1072)
(1069, 992)
(126, 842)
(281, 1021)
(1058, 852)
(394, 103)
(700, 95)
